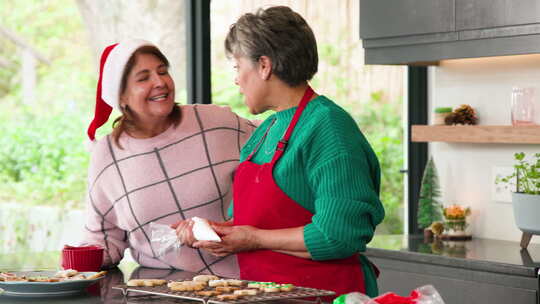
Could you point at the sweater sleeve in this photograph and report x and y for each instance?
(105, 234)
(100, 228)
(347, 207)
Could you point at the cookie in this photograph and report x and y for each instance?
(79, 276)
(226, 288)
(16, 279)
(286, 287)
(38, 279)
(97, 275)
(228, 297)
(186, 286)
(66, 273)
(233, 282)
(205, 278)
(246, 292)
(172, 283)
(256, 285)
(216, 283)
(271, 288)
(208, 293)
(11, 277)
(135, 283)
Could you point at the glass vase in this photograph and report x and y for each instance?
(522, 106)
(455, 227)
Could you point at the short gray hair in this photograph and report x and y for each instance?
(281, 34)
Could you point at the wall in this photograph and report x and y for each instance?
(465, 170)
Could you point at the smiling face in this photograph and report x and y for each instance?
(250, 77)
(149, 92)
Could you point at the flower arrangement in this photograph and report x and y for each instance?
(456, 212)
(455, 218)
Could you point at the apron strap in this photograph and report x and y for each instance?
(282, 144)
(261, 140)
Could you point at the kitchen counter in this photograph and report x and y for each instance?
(102, 291)
(477, 254)
(475, 271)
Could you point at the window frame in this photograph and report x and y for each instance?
(417, 152)
(198, 52)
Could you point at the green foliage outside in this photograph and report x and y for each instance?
(382, 126)
(42, 154)
(43, 159)
(429, 208)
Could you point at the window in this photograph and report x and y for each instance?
(49, 52)
(373, 95)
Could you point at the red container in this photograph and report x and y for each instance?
(85, 258)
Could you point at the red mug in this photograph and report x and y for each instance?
(85, 258)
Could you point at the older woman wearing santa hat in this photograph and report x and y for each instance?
(162, 162)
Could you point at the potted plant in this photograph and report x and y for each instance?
(526, 199)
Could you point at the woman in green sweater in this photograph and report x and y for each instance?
(306, 194)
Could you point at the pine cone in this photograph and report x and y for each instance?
(464, 115)
(437, 228)
(449, 119)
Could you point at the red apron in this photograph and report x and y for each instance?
(259, 202)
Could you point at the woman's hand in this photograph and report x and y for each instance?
(233, 239)
(184, 231)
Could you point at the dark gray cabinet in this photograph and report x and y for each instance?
(424, 32)
(477, 271)
(456, 285)
(405, 17)
(475, 14)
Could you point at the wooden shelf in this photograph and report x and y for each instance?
(477, 134)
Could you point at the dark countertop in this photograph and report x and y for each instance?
(477, 254)
(102, 291)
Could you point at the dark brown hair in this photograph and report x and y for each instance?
(125, 122)
(281, 34)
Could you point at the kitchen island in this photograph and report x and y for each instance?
(476, 271)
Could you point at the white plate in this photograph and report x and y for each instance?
(44, 289)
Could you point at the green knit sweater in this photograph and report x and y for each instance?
(330, 169)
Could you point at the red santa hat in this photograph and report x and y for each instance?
(112, 64)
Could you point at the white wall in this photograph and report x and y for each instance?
(465, 170)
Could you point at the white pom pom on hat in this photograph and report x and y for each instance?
(112, 64)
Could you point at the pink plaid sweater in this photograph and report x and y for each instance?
(184, 172)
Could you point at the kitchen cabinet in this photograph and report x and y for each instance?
(417, 32)
(477, 271)
(408, 17)
(456, 286)
(477, 134)
(474, 14)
